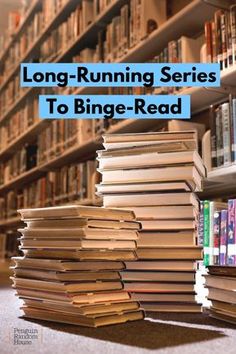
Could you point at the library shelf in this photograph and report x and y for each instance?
(78, 153)
(86, 37)
(56, 20)
(203, 97)
(34, 7)
(16, 221)
(188, 21)
(221, 180)
(26, 137)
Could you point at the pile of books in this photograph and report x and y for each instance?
(221, 285)
(218, 231)
(70, 271)
(156, 175)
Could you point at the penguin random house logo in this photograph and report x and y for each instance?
(25, 336)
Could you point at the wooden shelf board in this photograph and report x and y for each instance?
(202, 98)
(221, 180)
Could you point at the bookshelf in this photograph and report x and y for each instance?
(183, 23)
(35, 6)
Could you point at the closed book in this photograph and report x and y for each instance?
(151, 199)
(60, 265)
(223, 237)
(221, 282)
(206, 258)
(46, 315)
(158, 287)
(153, 276)
(170, 253)
(171, 307)
(149, 239)
(231, 242)
(171, 174)
(76, 211)
(66, 286)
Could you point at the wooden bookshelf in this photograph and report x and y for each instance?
(220, 181)
(79, 153)
(35, 6)
(27, 137)
(197, 11)
(88, 37)
(202, 98)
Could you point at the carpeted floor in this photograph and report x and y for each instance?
(163, 333)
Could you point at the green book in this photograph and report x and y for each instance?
(206, 258)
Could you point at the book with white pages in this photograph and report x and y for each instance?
(161, 174)
(157, 239)
(150, 199)
(153, 160)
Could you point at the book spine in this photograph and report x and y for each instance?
(216, 229)
(233, 116)
(226, 132)
(223, 237)
(219, 138)
(213, 137)
(231, 244)
(201, 225)
(206, 258)
(208, 37)
(233, 31)
(211, 232)
(223, 26)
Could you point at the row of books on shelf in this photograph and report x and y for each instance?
(19, 122)
(217, 232)
(64, 35)
(23, 160)
(53, 141)
(223, 133)
(128, 29)
(9, 244)
(71, 183)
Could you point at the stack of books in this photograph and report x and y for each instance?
(221, 285)
(70, 271)
(156, 175)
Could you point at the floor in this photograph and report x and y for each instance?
(160, 333)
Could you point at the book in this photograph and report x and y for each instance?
(152, 276)
(76, 211)
(62, 266)
(45, 315)
(150, 199)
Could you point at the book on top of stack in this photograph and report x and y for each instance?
(73, 257)
(221, 284)
(157, 175)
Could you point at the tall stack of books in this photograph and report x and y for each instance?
(71, 267)
(221, 285)
(156, 175)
